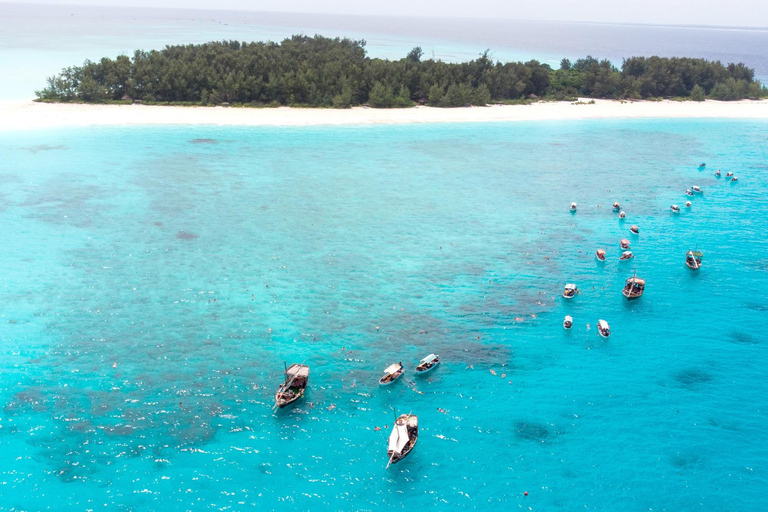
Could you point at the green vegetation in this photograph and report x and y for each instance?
(322, 72)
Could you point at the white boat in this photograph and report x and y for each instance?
(573, 207)
(603, 329)
(600, 255)
(702, 165)
(405, 433)
(634, 230)
(626, 255)
(296, 380)
(697, 189)
(624, 243)
(675, 208)
(717, 173)
(427, 364)
(688, 192)
(391, 374)
(622, 214)
(570, 291)
(687, 204)
(616, 206)
(728, 174)
(734, 179)
(568, 322)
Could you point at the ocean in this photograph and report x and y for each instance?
(155, 279)
(36, 41)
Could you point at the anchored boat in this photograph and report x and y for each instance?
(405, 433)
(573, 207)
(626, 255)
(600, 255)
(624, 243)
(570, 291)
(568, 322)
(427, 364)
(634, 287)
(696, 189)
(616, 206)
(391, 374)
(296, 380)
(603, 329)
(693, 259)
(634, 230)
(675, 208)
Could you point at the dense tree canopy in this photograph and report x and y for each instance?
(323, 72)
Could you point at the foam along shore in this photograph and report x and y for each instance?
(22, 115)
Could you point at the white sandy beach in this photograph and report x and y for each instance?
(26, 115)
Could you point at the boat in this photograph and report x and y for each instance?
(427, 364)
(600, 255)
(634, 230)
(603, 329)
(573, 207)
(688, 192)
(391, 374)
(624, 243)
(687, 204)
(697, 189)
(728, 174)
(296, 380)
(570, 291)
(717, 173)
(622, 214)
(693, 259)
(675, 208)
(702, 165)
(626, 255)
(633, 288)
(405, 433)
(568, 322)
(734, 179)
(616, 206)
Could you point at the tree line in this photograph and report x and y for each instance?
(323, 72)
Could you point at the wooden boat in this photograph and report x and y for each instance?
(570, 291)
(296, 380)
(624, 243)
(634, 287)
(402, 440)
(674, 208)
(600, 255)
(626, 255)
(568, 322)
(427, 364)
(693, 259)
(391, 374)
(696, 189)
(603, 329)
(573, 207)
(634, 230)
(616, 206)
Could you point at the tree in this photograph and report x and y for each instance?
(697, 93)
(381, 96)
(415, 54)
(565, 64)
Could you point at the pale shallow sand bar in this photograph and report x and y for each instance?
(25, 115)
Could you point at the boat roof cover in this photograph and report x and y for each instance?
(298, 370)
(636, 280)
(393, 368)
(634, 227)
(398, 438)
(627, 253)
(600, 251)
(603, 324)
(624, 241)
(698, 254)
(570, 286)
(569, 317)
(429, 358)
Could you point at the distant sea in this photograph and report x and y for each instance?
(38, 40)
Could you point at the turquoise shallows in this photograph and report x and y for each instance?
(153, 281)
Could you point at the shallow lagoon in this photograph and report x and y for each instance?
(155, 279)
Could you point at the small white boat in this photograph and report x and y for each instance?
(626, 255)
(570, 291)
(717, 173)
(728, 174)
(634, 230)
(734, 179)
(427, 364)
(600, 255)
(702, 165)
(568, 322)
(697, 189)
(687, 204)
(616, 206)
(624, 243)
(622, 214)
(603, 329)
(688, 192)
(405, 433)
(675, 208)
(573, 207)
(391, 374)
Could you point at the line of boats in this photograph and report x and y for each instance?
(405, 430)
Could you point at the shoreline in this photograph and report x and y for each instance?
(29, 115)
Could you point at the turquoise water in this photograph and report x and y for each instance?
(153, 283)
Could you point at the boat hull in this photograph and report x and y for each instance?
(427, 370)
(280, 402)
(382, 382)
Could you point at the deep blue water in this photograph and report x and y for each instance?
(152, 287)
(37, 41)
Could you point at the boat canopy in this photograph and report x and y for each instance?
(636, 280)
(298, 371)
(626, 254)
(570, 286)
(625, 241)
(602, 324)
(696, 254)
(393, 368)
(600, 251)
(399, 436)
(430, 357)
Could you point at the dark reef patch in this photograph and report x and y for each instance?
(183, 235)
(692, 377)
(203, 141)
(531, 431)
(742, 338)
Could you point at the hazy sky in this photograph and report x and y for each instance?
(751, 13)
